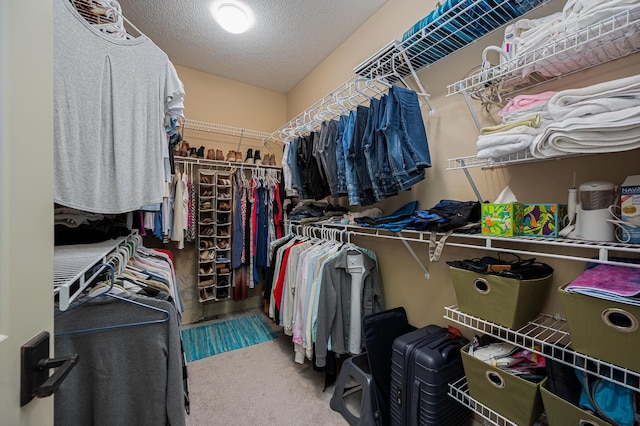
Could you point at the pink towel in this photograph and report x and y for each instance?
(622, 280)
(523, 102)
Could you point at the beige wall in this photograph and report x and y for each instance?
(216, 99)
(452, 133)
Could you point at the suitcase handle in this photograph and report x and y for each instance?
(448, 351)
(415, 396)
(620, 320)
(587, 423)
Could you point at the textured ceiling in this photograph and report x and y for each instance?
(288, 40)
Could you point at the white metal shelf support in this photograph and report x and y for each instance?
(548, 335)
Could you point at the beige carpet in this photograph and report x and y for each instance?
(259, 385)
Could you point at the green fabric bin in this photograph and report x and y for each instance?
(603, 329)
(516, 399)
(563, 413)
(506, 301)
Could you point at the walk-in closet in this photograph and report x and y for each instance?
(372, 213)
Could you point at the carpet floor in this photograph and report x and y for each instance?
(259, 385)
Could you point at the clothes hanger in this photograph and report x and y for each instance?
(114, 296)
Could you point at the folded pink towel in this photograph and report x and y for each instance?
(522, 102)
(622, 280)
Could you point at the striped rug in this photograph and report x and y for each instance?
(215, 338)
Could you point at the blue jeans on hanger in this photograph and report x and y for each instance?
(404, 168)
(341, 185)
(383, 175)
(349, 166)
(296, 176)
(362, 131)
(347, 136)
(327, 151)
(412, 125)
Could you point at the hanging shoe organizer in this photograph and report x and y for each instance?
(215, 201)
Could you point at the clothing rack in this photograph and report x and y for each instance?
(74, 266)
(356, 91)
(224, 164)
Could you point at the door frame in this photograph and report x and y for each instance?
(26, 196)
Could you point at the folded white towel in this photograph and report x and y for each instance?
(612, 131)
(564, 102)
(500, 144)
(518, 143)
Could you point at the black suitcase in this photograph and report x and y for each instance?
(423, 363)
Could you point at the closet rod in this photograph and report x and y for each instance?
(222, 163)
(346, 233)
(356, 91)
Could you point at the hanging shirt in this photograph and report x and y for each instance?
(110, 100)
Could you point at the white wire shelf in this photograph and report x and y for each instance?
(587, 251)
(73, 267)
(588, 47)
(471, 161)
(194, 126)
(464, 23)
(460, 392)
(549, 336)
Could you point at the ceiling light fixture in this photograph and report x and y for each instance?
(233, 16)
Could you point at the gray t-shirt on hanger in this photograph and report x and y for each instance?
(110, 99)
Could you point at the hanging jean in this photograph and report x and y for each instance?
(404, 167)
(412, 125)
(341, 188)
(296, 177)
(349, 166)
(364, 127)
(327, 153)
(380, 159)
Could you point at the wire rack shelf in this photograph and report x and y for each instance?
(460, 392)
(548, 335)
(462, 24)
(74, 267)
(594, 45)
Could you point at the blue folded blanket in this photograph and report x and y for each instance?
(456, 23)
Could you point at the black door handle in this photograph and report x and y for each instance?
(34, 375)
(63, 365)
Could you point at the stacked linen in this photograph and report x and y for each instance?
(604, 117)
(523, 119)
(610, 282)
(569, 28)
